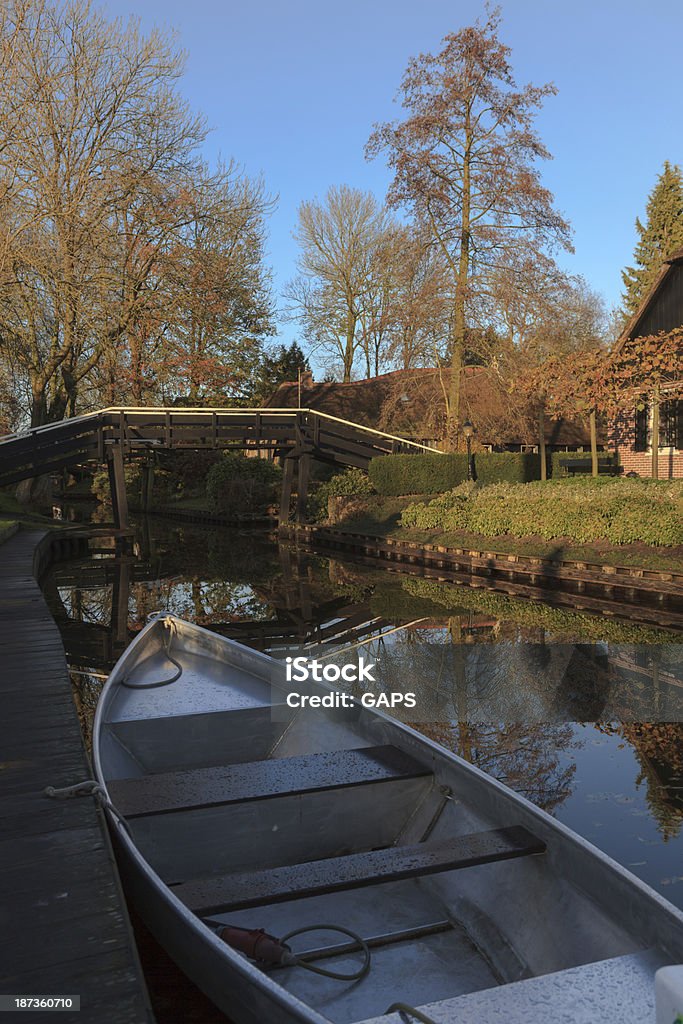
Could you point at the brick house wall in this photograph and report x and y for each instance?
(661, 311)
(622, 439)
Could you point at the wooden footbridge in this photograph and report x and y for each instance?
(109, 435)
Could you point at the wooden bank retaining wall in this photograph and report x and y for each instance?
(649, 596)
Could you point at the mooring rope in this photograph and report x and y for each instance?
(90, 787)
(172, 631)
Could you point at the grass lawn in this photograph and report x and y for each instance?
(381, 517)
(10, 514)
(196, 504)
(6, 528)
(13, 512)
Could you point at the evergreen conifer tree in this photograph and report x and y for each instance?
(282, 364)
(659, 237)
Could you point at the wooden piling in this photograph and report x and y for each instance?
(117, 485)
(286, 494)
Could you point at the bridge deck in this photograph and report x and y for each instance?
(64, 925)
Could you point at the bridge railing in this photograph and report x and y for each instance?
(84, 438)
(185, 425)
(49, 448)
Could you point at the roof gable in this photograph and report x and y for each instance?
(662, 307)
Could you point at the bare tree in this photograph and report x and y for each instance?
(339, 239)
(464, 159)
(377, 309)
(405, 313)
(539, 311)
(220, 291)
(421, 302)
(101, 122)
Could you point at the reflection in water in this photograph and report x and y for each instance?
(659, 749)
(523, 756)
(507, 693)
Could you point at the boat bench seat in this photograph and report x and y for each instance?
(315, 878)
(259, 780)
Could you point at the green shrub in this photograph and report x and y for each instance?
(510, 467)
(237, 484)
(448, 511)
(584, 510)
(350, 481)
(435, 474)
(188, 470)
(418, 474)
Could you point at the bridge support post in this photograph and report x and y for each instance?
(288, 578)
(286, 494)
(117, 485)
(303, 476)
(119, 602)
(147, 485)
(305, 601)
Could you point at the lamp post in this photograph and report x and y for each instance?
(468, 430)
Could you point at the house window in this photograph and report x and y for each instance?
(642, 429)
(671, 424)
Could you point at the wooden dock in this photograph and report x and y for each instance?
(64, 929)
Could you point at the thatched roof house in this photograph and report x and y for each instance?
(410, 403)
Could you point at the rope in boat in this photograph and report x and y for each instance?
(337, 975)
(267, 950)
(172, 631)
(90, 787)
(407, 1011)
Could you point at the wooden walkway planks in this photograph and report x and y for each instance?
(64, 928)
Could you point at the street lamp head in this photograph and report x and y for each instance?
(467, 428)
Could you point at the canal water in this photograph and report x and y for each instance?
(579, 713)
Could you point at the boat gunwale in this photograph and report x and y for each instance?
(551, 828)
(251, 973)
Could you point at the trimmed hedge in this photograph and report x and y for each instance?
(586, 510)
(507, 467)
(435, 474)
(417, 474)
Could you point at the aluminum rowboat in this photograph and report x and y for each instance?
(230, 811)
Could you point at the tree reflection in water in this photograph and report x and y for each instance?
(523, 756)
(658, 747)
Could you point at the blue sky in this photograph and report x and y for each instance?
(292, 91)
